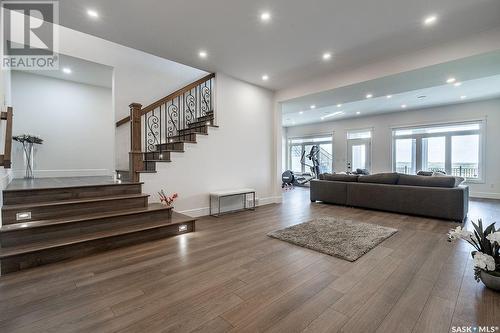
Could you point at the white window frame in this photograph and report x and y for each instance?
(448, 137)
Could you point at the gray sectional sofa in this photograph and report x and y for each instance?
(439, 197)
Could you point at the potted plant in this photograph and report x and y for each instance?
(167, 200)
(486, 257)
(28, 141)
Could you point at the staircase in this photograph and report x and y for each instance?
(167, 125)
(49, 224)
(42, 225)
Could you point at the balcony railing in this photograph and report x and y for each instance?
(460, 171)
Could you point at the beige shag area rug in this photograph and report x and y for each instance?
(340, 238)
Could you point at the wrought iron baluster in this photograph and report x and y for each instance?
(153, 125)
(173, 116)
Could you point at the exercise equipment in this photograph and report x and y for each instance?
(290, 179)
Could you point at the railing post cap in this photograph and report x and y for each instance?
(135, 106)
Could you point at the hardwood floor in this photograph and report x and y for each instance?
(229, 276)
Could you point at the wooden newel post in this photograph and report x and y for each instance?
(135, 157)
(8, 140)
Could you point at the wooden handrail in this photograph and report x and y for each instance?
(6, 157)
(168, 98)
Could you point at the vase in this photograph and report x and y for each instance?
(28, 148)
(490, 281)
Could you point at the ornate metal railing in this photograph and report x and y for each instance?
(174, 118)
(462, 171)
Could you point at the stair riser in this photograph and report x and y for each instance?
(149, 166)
(204, 121)
(179, 146)
(68, 210)
(55, 194)
(54, 232)
(47, 256)
(124, 176)
(157, 156)
(183, 137)
(194, 130)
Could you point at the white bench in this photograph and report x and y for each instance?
(218, 195)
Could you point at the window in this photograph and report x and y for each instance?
(405, 156)
(299, 147)
(455, 149)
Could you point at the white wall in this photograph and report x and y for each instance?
(240, 153)
(75, 121)
(138, 77)
(382, 136)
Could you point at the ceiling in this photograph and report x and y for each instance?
(82, 71)
(478, 76)
(289, 47)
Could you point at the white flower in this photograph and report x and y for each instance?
(494, 237)
(484, 261)
(459, 233)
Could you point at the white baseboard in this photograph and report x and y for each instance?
(484, 195)
(65, 173)
(205, 211)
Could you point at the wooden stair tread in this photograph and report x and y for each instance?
(151, 160)
(164, 151)
(74, 201)
(81, 218)
(176, 218)
(65, 187)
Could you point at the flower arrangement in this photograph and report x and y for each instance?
(167, 200)
(27, 138)
(486, 257)
(28, 141)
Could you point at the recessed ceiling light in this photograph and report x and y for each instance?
(339, 105)
(313, 106)
(457, 84)
(327, 56)
(388, 96)
(203, 54)
(369, 95)
(430, 20)
(265, 16)
(451, 80)
(92, 13)
(333, 114)
(301, 112)
(358, 112)
(67, 70)
(322, 118)
(265, 77)
(463, 97)
(403, 106)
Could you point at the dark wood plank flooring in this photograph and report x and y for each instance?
(229, 276)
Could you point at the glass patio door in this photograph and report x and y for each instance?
(358, 154)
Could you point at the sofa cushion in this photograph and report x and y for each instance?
(338, 177)
(380, 178)
(436, 181)
(425, 173)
